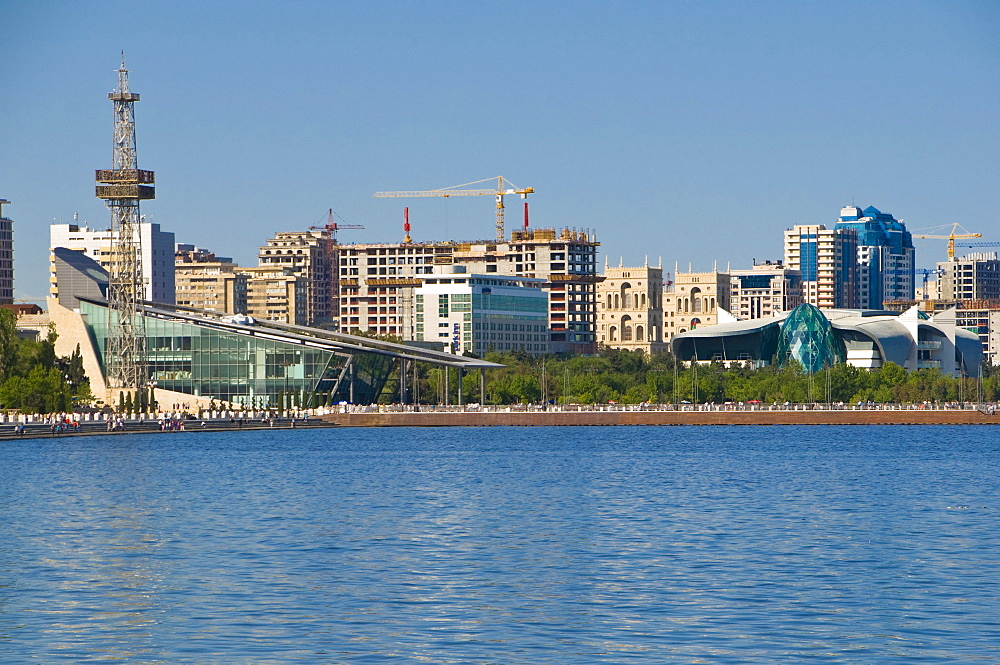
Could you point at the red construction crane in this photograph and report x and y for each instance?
(332, 227)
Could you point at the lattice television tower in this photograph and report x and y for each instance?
(123, 187)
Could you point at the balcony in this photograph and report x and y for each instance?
(926, 345)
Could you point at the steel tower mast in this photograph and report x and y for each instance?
(123, 187)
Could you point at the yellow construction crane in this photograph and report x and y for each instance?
(951, 238)
(503, 187)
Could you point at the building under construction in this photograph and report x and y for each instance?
(377, 281)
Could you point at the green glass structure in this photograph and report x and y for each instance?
(262, 364)
(808, 338)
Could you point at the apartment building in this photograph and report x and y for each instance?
(377, 281)
(764, 290)
(277, 294)
(974, 276)
(885, 256)
(827, 261)
(207, 281)
(311, 255)
(6, 258)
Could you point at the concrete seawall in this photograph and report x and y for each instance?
(603, 418)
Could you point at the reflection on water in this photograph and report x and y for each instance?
(503, 545)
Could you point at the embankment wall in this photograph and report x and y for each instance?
(604, 418)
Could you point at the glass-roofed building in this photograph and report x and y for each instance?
(193, 356)
(818, 338)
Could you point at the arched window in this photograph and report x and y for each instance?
(638, 334)
(613, 334)
(617, 301)
(696, 300)
(626, 296)
(609, 301)
(643, 305)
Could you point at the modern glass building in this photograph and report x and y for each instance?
(480, 313)
(817, 338)
(884, 256)
(807, 337)
(261, 364)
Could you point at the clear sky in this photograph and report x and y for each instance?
(695, 131)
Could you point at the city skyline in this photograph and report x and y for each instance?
(693, 132)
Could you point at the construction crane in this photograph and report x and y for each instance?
(332, 227)
(978, 244)
(503, 188)
(937, 272)
(951, 238)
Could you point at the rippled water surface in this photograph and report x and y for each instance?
(504, 545)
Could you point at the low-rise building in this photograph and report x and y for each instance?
(479, 313)
(766, 289)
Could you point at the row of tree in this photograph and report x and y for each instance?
(632, 377)
(32, 378)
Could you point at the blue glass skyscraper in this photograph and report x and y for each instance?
(885, 256)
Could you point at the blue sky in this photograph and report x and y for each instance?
(695, 131)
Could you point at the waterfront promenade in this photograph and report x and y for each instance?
(656, 414)
(474, 415)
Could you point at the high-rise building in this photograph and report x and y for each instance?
(311, 255)
(695, 300)
(157, 254)
(885, 256)
(827, 261)
(630, 309)
(377, 280)
(974, 276)
(207, 281)
(6, 258)
(766, 289)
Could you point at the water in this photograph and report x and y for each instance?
(504, 545)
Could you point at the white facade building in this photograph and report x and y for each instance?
(481, 313)
(157, 254)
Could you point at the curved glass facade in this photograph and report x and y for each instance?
(808, 338)
(245, 369)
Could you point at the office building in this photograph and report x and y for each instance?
(885, 267)
(827, 260)
(157, 254)
(630, 309)
(481, 313)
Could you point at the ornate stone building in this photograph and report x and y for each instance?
(695, 301)
(630, 309)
